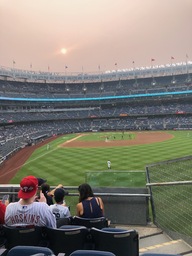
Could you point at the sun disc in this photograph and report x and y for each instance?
(63, 50)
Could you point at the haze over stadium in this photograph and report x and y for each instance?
(91, 36)
(83, 82)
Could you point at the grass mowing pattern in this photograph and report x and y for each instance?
(69, 165)
(116, 179)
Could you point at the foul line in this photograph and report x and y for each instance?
(28, 162)
(68, 141)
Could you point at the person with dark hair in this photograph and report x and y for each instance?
(89, 206)
(59, 209)
(41, 181)
(45, 188)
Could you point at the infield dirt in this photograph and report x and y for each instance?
(11, 166)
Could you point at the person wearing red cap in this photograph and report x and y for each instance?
(27, 211)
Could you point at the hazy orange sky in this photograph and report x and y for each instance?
(93, 33)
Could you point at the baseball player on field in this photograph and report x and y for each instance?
(109, 164)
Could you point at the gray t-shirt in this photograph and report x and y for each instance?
(60, 211)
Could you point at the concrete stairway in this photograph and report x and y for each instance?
(154, 240)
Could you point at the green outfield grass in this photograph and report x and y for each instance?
(70, 165)
(116, 179)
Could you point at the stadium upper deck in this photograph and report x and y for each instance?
(156, 81)
(67, 77)
(139, 101)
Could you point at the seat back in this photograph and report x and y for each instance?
(118, 241)
(91, 253)
(92, 222)
(31, 236)
(63, 221)
(67, 239)
(29, 250)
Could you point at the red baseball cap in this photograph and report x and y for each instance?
(28, 187)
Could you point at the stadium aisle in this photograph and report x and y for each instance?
(153, 240)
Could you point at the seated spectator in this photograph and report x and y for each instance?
(27, 211)
(41, 181)
(59, 209)
(89, 206)
(3, 206)
(45, 188)
(2, 213)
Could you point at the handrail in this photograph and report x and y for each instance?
(169, 183)
(10, 190)
(97, 194)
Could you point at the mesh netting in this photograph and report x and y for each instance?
(172, 203)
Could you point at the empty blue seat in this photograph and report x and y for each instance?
(118, 241)
(30, 236)
(67, 239)
(91, 253)
(29, 250)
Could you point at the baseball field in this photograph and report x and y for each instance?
(75, 158)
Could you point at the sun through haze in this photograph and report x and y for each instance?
(93, 35)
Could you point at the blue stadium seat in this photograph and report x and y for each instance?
(63, 221)
(28, 236)
(67, 239)
(90, 223)
(29, 250)
(91, 253)
(118, 241)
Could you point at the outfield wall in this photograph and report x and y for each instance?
(128, 206)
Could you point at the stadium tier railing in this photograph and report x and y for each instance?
(126, 206)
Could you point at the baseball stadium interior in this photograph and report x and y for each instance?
(35, 106)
